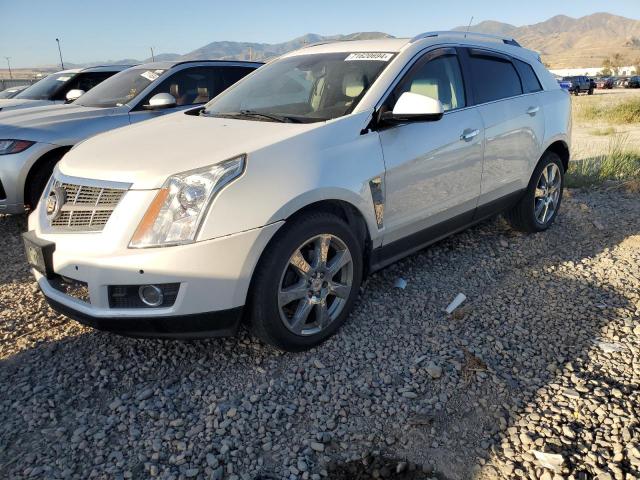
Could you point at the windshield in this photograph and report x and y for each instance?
(302, 88)
(10, 92)
(46, 88)
(119, 89)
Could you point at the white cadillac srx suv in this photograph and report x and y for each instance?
(273, 201)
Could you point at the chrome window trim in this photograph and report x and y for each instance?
(430, 48)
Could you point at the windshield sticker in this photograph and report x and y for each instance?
(379, 56)
(63, 79)
(149, 75)
(159, 72)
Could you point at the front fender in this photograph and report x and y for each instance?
(333, 162)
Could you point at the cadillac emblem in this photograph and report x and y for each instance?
(55, 200)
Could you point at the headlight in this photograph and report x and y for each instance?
(14, 146)
(174, 216)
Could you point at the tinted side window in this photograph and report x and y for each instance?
(439, 78)
(493, 78)
(83, 81)
(227, 76)
(197, 85)
(530, 81)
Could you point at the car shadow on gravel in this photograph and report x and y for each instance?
(73, 396)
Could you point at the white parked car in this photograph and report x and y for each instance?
(274, 202)
(60, 87)
(12, 91)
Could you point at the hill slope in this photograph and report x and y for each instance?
(263, 51)
(574, 42)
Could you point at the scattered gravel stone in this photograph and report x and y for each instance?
(543, 356)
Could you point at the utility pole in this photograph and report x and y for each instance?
(153, 58)
(250, 54)
(9, 65)
(60, 52)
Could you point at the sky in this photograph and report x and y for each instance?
(91, 30)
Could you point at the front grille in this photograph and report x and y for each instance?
(86, 208)
(74, 288)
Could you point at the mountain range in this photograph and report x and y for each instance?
(574, 42)
(562, 41)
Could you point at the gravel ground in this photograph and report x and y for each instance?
(536, 375)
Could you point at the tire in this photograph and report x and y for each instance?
(272, 319)
(525, 216)
(590, 92)
(37, 181)
(576, 92)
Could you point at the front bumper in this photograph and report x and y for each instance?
(214, 277)
(198, 325)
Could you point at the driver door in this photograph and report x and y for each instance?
(433, 168)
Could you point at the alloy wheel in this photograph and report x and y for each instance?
(315, 284)
(547, 194)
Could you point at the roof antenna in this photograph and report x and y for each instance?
(468, 27)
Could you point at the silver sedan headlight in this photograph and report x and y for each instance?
(9, 146)
(175, 215)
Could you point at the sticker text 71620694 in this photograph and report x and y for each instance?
(368, 56)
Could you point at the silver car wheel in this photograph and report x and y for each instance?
(315, 284)
(547, 194)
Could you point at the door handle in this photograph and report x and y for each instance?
(533, 110)
(469, 134)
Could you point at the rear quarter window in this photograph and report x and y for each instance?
(530, 81)
(493, 78)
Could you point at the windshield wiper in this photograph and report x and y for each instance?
(253, 113)
(270, 116)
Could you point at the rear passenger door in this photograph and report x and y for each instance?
(505, 92)
(190, 87)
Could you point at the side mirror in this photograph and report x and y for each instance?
(413, 107)
(74, 94)
(160, 101)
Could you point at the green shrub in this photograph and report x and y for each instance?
(619, 163)
(624, 112)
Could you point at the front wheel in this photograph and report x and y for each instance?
(590, 92)
(307, 282)
(539, 206)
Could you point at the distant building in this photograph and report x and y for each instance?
(590, 71)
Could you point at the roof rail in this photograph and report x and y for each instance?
(183, 62)
(458, 33)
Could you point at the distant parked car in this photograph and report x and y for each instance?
(579, 84)
(33, 140)
(60, 87)
(634, 82)
(605, 83)
(622, 82)
(12, 91)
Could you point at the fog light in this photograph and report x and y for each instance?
(151, 295)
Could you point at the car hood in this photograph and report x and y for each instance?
(146, 154)
(57, 124)
(8, 104)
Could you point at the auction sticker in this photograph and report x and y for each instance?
(63, 79)
(149, 75)
(368, 56)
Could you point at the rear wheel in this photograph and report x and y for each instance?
(306, 283)
(539, 206)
